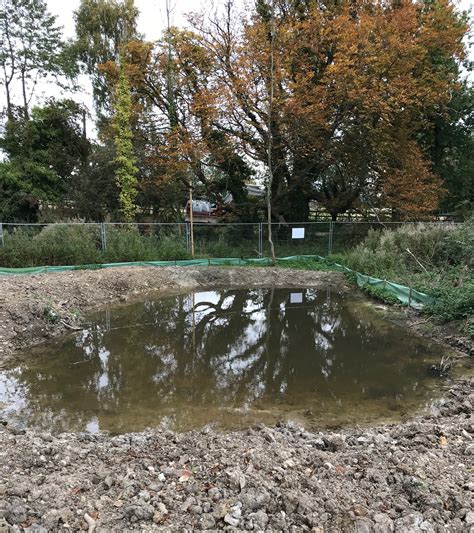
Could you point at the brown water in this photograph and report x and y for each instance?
(230, 358)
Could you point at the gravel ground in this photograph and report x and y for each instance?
(411, 477)
(416, 476)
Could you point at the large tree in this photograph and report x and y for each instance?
(354, 85)
(45, 154)
(31, 48)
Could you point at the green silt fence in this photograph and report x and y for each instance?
(406, 295)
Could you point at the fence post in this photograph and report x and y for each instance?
(2, 240)
(103, 236)
(187, 236)
(330, 237)
(260, 239)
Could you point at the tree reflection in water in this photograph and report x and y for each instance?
(227, 356)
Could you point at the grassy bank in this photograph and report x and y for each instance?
(436, 260)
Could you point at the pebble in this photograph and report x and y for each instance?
(232, 521)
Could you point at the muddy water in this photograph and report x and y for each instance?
(229, 358)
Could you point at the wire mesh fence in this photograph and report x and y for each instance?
(85, 243)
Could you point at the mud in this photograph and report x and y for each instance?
(415, 476)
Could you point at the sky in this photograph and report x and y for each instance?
(151, 23)
(152, 14)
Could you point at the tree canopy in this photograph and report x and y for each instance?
(369, 109)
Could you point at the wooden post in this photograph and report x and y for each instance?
(191, 220)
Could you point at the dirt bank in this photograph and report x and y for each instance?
(34, 308)
(412, 477)
(416, 476)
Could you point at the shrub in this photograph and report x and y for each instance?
(172, 249)
(125, 244)
(67, 245)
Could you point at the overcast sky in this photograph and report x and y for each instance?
(152, 14)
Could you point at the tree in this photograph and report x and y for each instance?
(126, 171)
(351, 80)
(103, 27)
(450, 143)
(31, 47)
(45, 153)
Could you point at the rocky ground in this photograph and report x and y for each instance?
(416, 476)
(411, 477)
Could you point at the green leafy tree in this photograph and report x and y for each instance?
(451, 146)
(31, 48)
(126, 172)
(45, 153)
(102, 28)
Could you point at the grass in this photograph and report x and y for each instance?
(433, 259)
(81, 245)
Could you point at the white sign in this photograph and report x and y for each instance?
(296, 298)
(297, 233)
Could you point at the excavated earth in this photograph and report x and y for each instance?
(414, 476)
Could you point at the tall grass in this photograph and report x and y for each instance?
(81, 244)
(438, 260)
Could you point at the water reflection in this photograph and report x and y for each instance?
(230, 357)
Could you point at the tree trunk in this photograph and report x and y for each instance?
(270, 133)
(25, 98)
(297, 206)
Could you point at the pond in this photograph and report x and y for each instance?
(230, 358)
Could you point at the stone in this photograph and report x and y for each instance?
(207, 521)
(35, 528)
(259, 520)
(229, 519)
(383, 523)
(16, 513)
(254, 499)
(214, 493)
(139, 512)
(469, 518)
(360, 510)
(363, 525)
(50, 520)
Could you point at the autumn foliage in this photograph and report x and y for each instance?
(355, 85)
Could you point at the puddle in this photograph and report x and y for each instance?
(230, 358)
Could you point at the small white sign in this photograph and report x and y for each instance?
(296, 298)
(297, 233)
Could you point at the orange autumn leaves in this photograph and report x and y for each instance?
(355, 86)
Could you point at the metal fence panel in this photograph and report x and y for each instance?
(306, 238)
(24, 245)
(227, 240)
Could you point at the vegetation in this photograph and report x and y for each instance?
(126, 170)
(356, 106)
(81, 244)
(433, 259)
